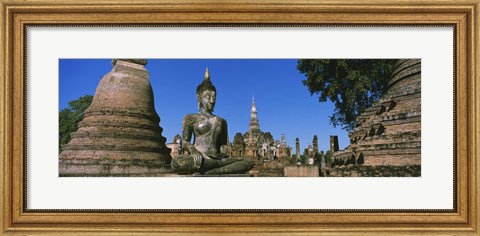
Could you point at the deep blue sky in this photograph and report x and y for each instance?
(283, 103)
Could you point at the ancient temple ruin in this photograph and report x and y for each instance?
(120, 133)
(237, 149)
(259, 144)
(389, 132)
(282, 150)
(253, 134)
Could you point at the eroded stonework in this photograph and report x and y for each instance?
(389, 132)
(120, 133)
(259, 145)
(237, 149)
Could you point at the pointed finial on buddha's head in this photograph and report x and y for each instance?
(206, 84)
(207, 75)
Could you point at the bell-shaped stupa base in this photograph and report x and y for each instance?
(120, 133)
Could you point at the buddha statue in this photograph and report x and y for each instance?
(207, 154)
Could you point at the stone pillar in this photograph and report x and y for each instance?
(322, 160)
(315, 148)
(297, 148)
(333, 144)
(120, 133)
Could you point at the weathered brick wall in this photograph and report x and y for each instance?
(389, 132)
(267, 169)
(375, 171)
(106, 167)
(301, 171)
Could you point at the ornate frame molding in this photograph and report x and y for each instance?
(16, 15)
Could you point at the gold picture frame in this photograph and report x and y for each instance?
(464, 15)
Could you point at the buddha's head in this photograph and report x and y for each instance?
(206, 94)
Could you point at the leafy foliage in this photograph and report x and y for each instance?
(303, 159)
(69, 117)
(328, 156)
(351, 84)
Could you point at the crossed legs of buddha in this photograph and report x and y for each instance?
(184, 164)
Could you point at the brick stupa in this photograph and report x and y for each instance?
(389, 132)
(120, 133)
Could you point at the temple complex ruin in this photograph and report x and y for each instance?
(261, 145)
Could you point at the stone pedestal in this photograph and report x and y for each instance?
(120, 133)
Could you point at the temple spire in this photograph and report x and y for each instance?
(254, 127)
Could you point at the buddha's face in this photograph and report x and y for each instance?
(206, 100)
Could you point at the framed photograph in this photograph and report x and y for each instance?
(244, 117)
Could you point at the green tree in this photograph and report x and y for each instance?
(351, 84)
(328, 156)
(303, 159)
(69, 117)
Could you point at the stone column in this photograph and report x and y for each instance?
(333, 143)
(315, 144)
(315, 147)
(333, 148)
(297, 148)
(322, 161)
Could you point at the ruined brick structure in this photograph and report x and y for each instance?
(389, 132)
(283, 151)
(259, 144)
(301, 171)
(238, 146)
(253, 127)
(120, 133)
(376, 171)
